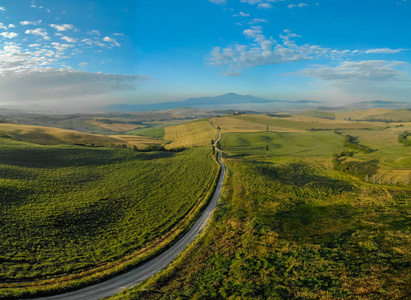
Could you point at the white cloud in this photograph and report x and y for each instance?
(25, 76)
(218, 1)
(244, 14)
(375, 78)
(9, 35)
(51, 83)
(11, 26)
(2, 8)
(2, 26)
(257, 20)
(251, 1)
(69, 39)
(384, 50)
(25, 23)
(263, 51)
(61, 47)
(62, 27)
(39, 32)
(93, 42)
(354, 71)
(301, 5)
(118, 34)
(111, 40)
(264, 5)
(48, 10)
(94, 32)
(34, 45)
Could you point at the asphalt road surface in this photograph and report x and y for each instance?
(151, 267)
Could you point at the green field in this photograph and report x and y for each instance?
(305, 144)
(157, 132)
(290, 227)
(303, 215)
(67, 209)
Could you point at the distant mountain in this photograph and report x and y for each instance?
(203, 102)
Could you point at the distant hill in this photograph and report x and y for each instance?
(203, 102)
(378, 114)
(319, 114)
(379, 104)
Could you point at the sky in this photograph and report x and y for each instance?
(84, 55)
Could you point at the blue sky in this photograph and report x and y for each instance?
(88, 54)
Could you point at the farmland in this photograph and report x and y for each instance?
(197, 133)
(290, 226)
(68, 209)
(304, 213)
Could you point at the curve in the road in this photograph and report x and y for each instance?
(151, 267)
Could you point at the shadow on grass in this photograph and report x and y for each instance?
(52, 157)
(301, 174)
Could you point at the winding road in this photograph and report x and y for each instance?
(151, 267)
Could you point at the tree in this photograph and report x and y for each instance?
(135, 148)
(267, 127)
(212, 142)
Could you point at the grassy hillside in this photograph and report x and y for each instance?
(304, 144)
(116, 125)
(392, 115)
(291, 227)
(236, 124)
(197, 133)
(56, 136)
(318, 114)
(296, 123)
(66, 209)
(157, 132)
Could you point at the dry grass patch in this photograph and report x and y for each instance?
(377, 114)
(197, 133)
(57, 136)
(140, 141)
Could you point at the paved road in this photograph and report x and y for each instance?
(131, 278)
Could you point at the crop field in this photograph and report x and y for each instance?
(291, 227)
(56, 136)
(197, 133)
(66, 209)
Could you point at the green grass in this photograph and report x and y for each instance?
(66, 209)
(305, 144)
(388, 152)
(289, 228)
(157, 132)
